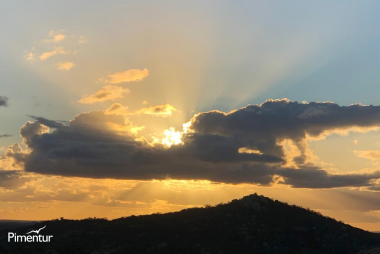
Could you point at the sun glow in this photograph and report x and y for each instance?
(173, 137)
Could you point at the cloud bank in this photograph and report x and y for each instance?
(242, 146)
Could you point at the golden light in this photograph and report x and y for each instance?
(248, 150)
(173, 137)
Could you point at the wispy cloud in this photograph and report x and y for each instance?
(368, 154)
(3, 101)
(55, 44)
(55, 36)
(30, 56)
(125, 76)
(158, 110)
(107, 93)
(59, 37)
(56, 51)
(164, 110)
(5, 135)
(117, 109)
(82, 40)
(65, 66)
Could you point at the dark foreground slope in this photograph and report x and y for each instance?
(254, 224)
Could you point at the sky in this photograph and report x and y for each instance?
(110, 109)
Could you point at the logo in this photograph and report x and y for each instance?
(32, 236)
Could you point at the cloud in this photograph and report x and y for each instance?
(159, 110)
(30, 56)
(13, 157)
(118, 109)
(3, 101)
(100, 122)
(97, 145)
(104, 144)
(50, 123)
(145, 102)
(10, 179)
(59, 37)
(126, 76)
(287, 119)
(42, 50)
(109, 92)
(82, 40)
(370, 154)
(261, 127)
(64, 66)
(31, 129)
(55, 36)
(56, 51)
(313, 177)
(93, 145)
(5, 135)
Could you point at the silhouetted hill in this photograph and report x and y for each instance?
(253, 224)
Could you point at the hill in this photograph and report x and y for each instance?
(253, 224)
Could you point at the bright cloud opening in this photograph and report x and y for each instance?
(173, 137)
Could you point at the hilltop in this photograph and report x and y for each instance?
(253, 224)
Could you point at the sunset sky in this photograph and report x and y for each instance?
(114, 108)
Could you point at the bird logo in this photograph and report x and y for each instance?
(36, 231)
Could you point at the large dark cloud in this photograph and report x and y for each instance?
(261, 126)
(3, 101)
(286, 119)
(98, 145)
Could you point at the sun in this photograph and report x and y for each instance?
(173, 137)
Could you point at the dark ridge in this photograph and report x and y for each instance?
(253, 224)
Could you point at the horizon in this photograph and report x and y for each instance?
(154, 213)
(138, 107)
